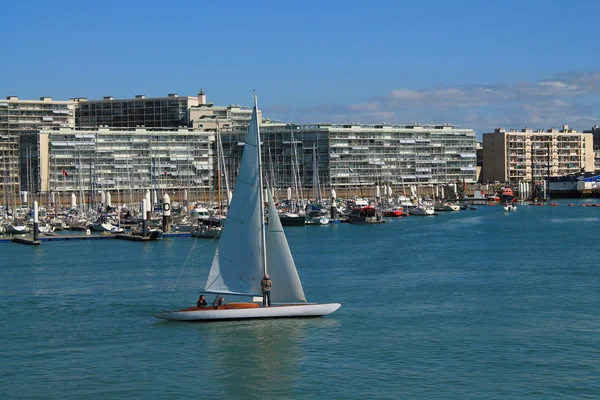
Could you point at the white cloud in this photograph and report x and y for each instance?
(559, 85)
(569, 98)
(582, 119)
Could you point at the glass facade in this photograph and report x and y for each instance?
(167, 112)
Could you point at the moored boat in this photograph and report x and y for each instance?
(365, 215)
(317, 218)
(17, 229)
(422, 211)
(208, 228)
(393, 212)
(507, 195)
(445, 206)
(291, 219)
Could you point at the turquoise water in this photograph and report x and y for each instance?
(475, 304)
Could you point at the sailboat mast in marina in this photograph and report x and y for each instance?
(247, 251)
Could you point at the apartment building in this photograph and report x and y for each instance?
(595, 131)
(127, 160)
(18, 120)
(19, 116)
(210, 117)
(522, 155)
(356, 155)
(9, 167)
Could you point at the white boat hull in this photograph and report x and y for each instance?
(17, 229)
(317, 221)
(422, 211)
(283, 311)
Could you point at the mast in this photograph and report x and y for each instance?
(219, 176)
(548, 179)
(261, 192)
(532, 171)
(315, 174)
(221, 157)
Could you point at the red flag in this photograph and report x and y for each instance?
(65, 173)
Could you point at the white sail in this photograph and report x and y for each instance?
(281, 267)
(238, 264)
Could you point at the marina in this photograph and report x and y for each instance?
(68, 235)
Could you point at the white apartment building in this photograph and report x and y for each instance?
(525, 154)
(9, 167)
(210, 117)
(357, 155)
(125, 159)
(25, 116)
(20, 118)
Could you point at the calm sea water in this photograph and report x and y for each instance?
(476, 304)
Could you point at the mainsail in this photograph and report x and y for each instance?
(281, 267)
(238, 265)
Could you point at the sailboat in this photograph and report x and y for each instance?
(247, 252)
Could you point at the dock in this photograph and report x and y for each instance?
(176, 234)
(132, 238)
(58, 238)
(25, 240)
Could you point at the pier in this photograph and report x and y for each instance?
(28, 241)
(61, 238)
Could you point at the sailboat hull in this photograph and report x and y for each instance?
(223, 313)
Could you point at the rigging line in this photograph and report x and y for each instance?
(213, 281)
(190, 254)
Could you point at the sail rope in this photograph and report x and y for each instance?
(190, 255)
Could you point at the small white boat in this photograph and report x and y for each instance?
(246, 249)
(116, 229)
(46, 229)
(422, 211)
(510, 207)
(316, 218)
(317, 221)
(446, 207)
(17, 229)
(106, 227)
(101, 226)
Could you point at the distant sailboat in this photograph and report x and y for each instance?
(246, 252)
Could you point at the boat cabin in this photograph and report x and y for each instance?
(365, 215)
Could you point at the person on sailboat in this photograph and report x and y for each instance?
(201, 301)
(266, 290)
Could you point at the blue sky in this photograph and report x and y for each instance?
(477, 64)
